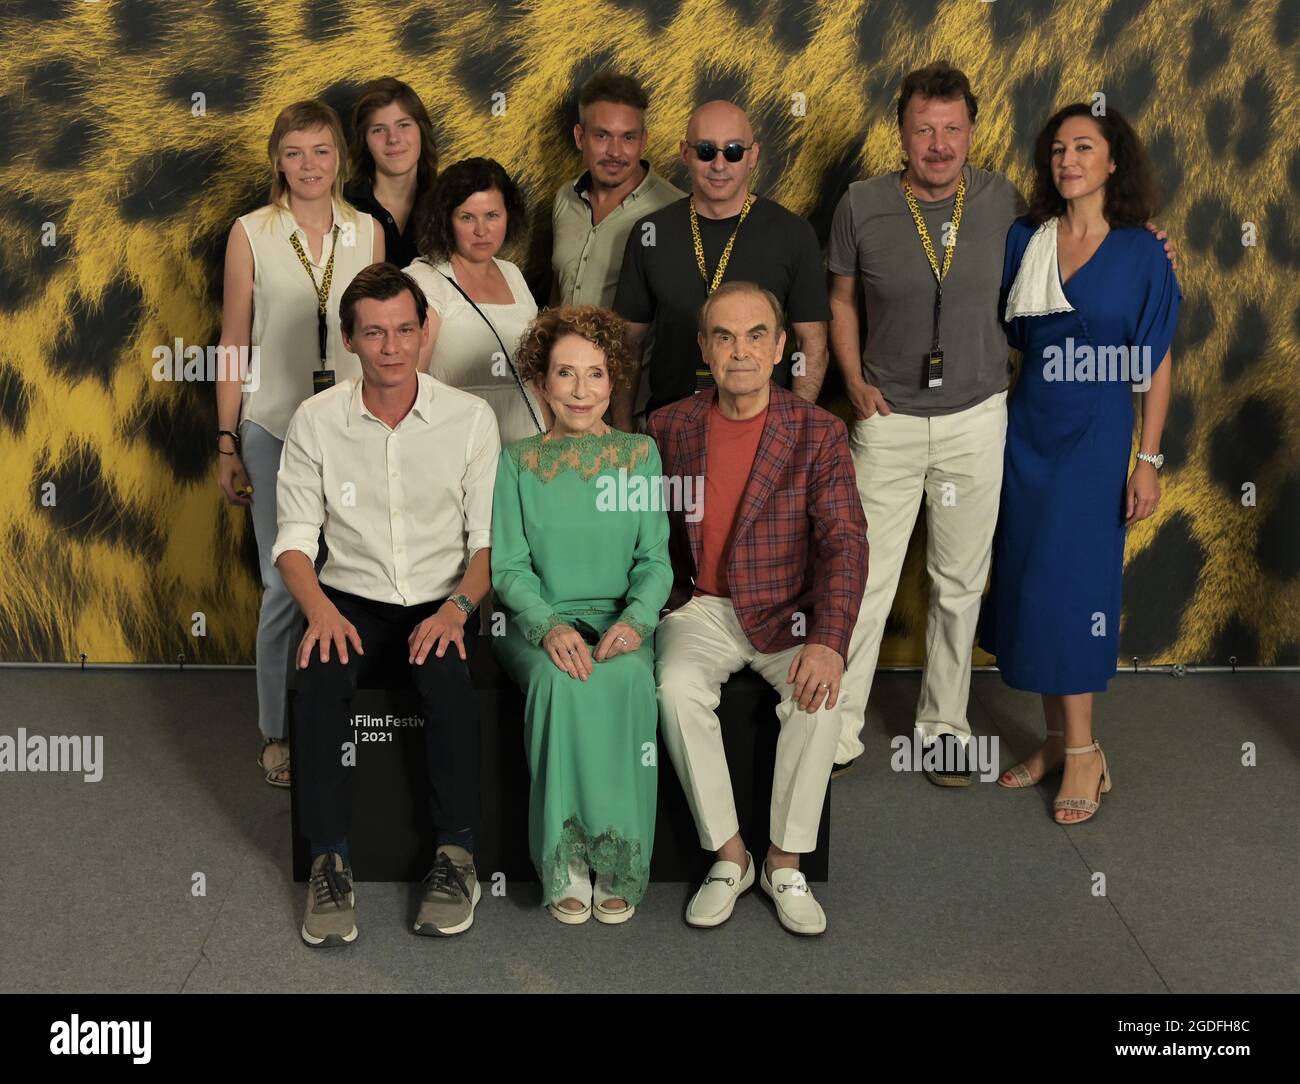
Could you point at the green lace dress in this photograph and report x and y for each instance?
(578, 532)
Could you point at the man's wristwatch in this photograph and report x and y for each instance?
(1157, 460)
(461, 602)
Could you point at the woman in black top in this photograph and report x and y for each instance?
(394, 162)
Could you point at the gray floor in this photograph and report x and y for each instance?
(931, 889)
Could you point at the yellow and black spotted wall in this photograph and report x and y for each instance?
(116, 195)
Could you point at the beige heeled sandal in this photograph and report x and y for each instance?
(1087, 805)
(1021, 774)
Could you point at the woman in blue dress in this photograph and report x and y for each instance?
(1091, 301)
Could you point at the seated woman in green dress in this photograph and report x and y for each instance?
(580, 565)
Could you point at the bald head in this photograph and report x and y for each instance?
(719, 122)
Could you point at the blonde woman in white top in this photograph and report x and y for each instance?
(479, 305)
(287, 265)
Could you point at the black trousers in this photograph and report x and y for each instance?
(323, 714)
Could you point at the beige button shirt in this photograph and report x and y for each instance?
(586, 258)
(403, 509)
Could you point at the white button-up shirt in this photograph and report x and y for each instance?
(403, 509)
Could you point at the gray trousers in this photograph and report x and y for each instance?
(280, 620)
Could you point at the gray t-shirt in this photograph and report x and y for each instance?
(873, 236)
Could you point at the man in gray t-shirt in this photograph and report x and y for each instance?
(915, 438)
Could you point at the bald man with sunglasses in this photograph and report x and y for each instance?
(722, 232)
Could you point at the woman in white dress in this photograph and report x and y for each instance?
(479, 305)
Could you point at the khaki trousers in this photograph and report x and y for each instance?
(698, 647)
(955, 462)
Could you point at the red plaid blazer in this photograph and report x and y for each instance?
(800, 540)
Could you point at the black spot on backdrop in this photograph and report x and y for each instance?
(1293, 170)
(718, 83)
(179, 427)
(1011, 20)
(419, 33)
(920, 13)
(42, 11)
(323, 19)
(32, 634)
(1176, 439)
(1234, 639)
(1288, 654)
(12, 134)
(1129, 92)
(56, 82)
(15, 398)
(1286, 22)
(164, 183)
(1295, 321)
(1195, 322)
(870, 36)
(1247, 341)
(772, 128)
(1117, 17)
(142, 25)
(795, 22)
(657, 13)
(1277, 546)
(1210, 223)
(566, 109)
(25, 267)
(248, 29)
(746, 11)
(1028, 98)
(1218, 126)
(484, 71)
(1158, 585)
(1280, 239)
(1241, 447)
(341, 97)
(69, 147)
(1254, 125)
(1169, 170)
(98, 333)
(225, 90)
(87, 507)
(1209, 48)
(834, 182)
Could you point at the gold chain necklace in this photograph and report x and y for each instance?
(726, 252)
(959, 201)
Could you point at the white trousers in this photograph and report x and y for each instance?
(697, 648)
(955, 462)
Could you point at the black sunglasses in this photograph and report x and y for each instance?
(706, 150)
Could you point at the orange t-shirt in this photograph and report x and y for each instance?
(732, 446)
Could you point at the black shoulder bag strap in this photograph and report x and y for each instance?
(505, 353)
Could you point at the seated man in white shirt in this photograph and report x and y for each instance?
(397, 469)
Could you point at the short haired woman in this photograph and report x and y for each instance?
(287, 265)
(1090, 298)
(479, 304)
(580, 564)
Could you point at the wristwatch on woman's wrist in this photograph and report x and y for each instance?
(1157, 460)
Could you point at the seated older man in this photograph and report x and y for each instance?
(771, 577)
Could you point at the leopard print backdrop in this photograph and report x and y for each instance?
(132, 134)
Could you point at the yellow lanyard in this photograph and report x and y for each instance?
(959, 201)
(323, 290)
(726, 252)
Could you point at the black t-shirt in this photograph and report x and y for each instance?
(399, 245)
(660, 282)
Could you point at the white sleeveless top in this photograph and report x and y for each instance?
(284, 309)
(462, 356)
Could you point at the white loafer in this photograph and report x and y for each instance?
(798, 911)
(713, 903)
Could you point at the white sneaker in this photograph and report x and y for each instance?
(713, 903)
(798, 911)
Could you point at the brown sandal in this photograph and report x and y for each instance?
(275, 769)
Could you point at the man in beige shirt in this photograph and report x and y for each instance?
(593, 215)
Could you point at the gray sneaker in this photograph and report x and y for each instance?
(451, 892)
(331, 918)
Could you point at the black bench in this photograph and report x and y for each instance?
(391, 838)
